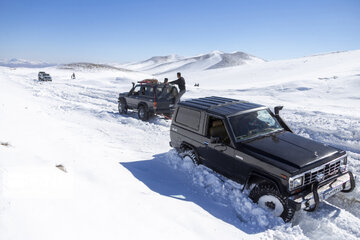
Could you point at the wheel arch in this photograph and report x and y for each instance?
(187, 146)
(259, 178)
(184, 146)
(142, 104)
(122, 99)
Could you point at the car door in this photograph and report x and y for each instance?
(133, 98)
(217, 152)
(148, 96)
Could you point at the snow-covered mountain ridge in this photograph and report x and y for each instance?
(83, 66)
(14, 63)
(172, 63)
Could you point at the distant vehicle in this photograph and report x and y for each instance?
(149, 97)
(248, 143)
(42, 76)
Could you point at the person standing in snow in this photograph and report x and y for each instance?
(73, 76)
(181, 84)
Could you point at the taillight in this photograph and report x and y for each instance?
(155, 104)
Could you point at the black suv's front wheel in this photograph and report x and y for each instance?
(190, 155)
(268, 197)
(122, 107)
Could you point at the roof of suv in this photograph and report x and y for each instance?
(220, 105)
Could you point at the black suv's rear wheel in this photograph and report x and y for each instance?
(268, 197)
(122, 107)
(190, 155)
(143, 113)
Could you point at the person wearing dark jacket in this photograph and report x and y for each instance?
(181, 84)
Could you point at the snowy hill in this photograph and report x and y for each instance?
(83, 66)
(122, 180)
(14, 63)
(152, 62)
(174, 63)
(332, 79)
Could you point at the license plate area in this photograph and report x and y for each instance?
(331, 191)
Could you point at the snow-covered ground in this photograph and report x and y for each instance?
(123, 181)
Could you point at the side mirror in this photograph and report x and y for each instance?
(277, 109)
(214, 139)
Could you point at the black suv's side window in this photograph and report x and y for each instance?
(150, 91)
(188, 117)
(142, 91)
(216, 129)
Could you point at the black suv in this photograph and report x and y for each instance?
(42, 76)
(248, 143)
(149, 97)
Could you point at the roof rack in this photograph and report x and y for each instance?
(220, 105)
(149, 81)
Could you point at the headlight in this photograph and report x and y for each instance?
(295, 182)
(343, 164)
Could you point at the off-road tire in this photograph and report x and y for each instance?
(143, 113)
(122, 106)
(190, 154)
(270, 191)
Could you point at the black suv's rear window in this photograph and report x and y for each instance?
(188, 117)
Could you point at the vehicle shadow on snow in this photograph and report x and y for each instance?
(159, 176)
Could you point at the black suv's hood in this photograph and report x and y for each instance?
(123, 94)
(290, 149)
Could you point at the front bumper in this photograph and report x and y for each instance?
(323, 190)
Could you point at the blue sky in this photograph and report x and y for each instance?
(118, 31)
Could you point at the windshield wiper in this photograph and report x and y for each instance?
(260, 135)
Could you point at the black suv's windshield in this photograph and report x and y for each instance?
(254, 124)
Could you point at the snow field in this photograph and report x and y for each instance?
(124, 181)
